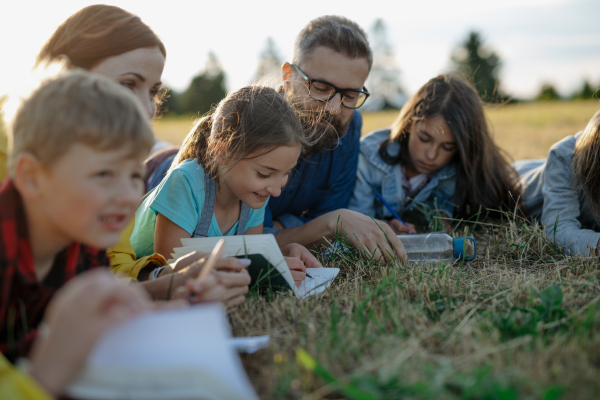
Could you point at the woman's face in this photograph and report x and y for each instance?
(139, 70)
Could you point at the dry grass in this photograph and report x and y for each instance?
(523, 130)
(519, 322)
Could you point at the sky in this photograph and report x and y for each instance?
(538, 41)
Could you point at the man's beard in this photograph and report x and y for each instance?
(324, 128)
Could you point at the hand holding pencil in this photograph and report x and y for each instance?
(205, 286)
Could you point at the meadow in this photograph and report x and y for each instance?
(521, 321)
(525, 130)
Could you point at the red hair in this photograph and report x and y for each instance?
(97, 32)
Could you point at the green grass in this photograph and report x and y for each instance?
(520, 322)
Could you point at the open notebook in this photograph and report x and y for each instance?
(168, 355)
(268, 268)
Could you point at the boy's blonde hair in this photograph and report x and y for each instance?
(77, 107)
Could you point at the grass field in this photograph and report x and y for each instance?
(521, 321)
(523, 130)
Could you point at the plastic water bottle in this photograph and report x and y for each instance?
(436, 247)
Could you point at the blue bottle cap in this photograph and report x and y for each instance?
(458, 245)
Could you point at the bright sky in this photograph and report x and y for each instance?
(555, 41)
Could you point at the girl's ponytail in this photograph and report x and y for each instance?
(250, 120)
(195, 144)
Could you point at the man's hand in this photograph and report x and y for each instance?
(400, 229)
(373, 238)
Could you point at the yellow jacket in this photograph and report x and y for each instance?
(16, 385)
(123, 261)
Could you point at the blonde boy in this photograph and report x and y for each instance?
(76, 149)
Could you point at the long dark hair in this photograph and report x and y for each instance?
(485, 178)
(248, 119)
(586, 164)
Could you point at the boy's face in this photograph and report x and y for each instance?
(89, 196)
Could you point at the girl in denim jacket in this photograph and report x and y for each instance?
(438, 157)
(563, 191)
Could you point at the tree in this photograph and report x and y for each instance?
(205, 90)
(548, 93)
(586, 92)
(269, 64)
(480, 65)
(171, 102)
(384, 78)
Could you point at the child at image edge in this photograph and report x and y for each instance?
(220, 182)
(563, 191)
(438, 157)
(76, 151)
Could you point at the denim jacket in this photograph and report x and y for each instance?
(374, 175)
(549, 190)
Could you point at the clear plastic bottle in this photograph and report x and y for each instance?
(436, 247)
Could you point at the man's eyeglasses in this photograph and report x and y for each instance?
(324, 91)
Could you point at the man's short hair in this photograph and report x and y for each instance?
(335, 32)
(78, 107)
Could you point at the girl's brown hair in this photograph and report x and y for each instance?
(586, 164)
(485, 178)
(247, 120)
(95, 33)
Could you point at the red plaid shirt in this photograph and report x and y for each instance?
(23, 298)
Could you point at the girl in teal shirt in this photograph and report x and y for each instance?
(229, 165)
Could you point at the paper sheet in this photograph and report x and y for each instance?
(321, 280)
(250, 344)
(168, 354)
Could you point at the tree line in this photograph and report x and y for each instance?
(471, 59)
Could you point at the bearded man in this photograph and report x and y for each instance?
(331, 61)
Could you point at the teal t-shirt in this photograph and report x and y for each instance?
(180, 198)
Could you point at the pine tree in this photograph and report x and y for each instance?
(269, 64)
(548, 93)
(480, 65)
(384, 78)
(586, 92)
(206, 89)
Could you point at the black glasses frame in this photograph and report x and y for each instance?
(336, 89)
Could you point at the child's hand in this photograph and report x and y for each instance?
(230, 273)
(298, 251)
(297, 268)
(236, 285)
(82, 311)
(207, 290)
(400, 229)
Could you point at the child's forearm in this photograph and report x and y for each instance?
(163, 287)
